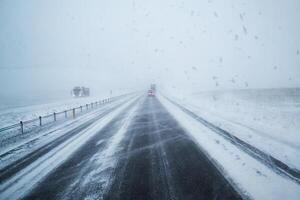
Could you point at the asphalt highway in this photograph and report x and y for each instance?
(142, 153)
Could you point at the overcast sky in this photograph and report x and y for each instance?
(199, 45)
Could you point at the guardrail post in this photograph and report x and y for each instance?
(93, 105)
(22, 127)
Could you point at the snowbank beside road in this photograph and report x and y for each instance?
(13, 115)
(23, 182)
(17, 147)
(252, 178)
(268, 119)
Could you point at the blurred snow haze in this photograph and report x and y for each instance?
(47, 47)
(189, 99)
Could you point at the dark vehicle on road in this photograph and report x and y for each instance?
(153, 87)
(151, 93)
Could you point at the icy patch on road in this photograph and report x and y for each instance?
(24, 181)
(250, 176)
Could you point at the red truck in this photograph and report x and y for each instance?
(152, 91)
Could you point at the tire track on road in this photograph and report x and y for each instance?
(162, 162)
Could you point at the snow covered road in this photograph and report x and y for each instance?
(144, 148)
(250, 170)
(137, 151)
(275, 164)
(18, 178)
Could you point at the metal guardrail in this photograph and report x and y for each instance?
(55, 116)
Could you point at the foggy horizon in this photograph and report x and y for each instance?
(151, 100)
(49, 46)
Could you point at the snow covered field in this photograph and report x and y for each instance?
(31, 175)
(268, 119)
(40, 136)
(10, 115)
(240, 113)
